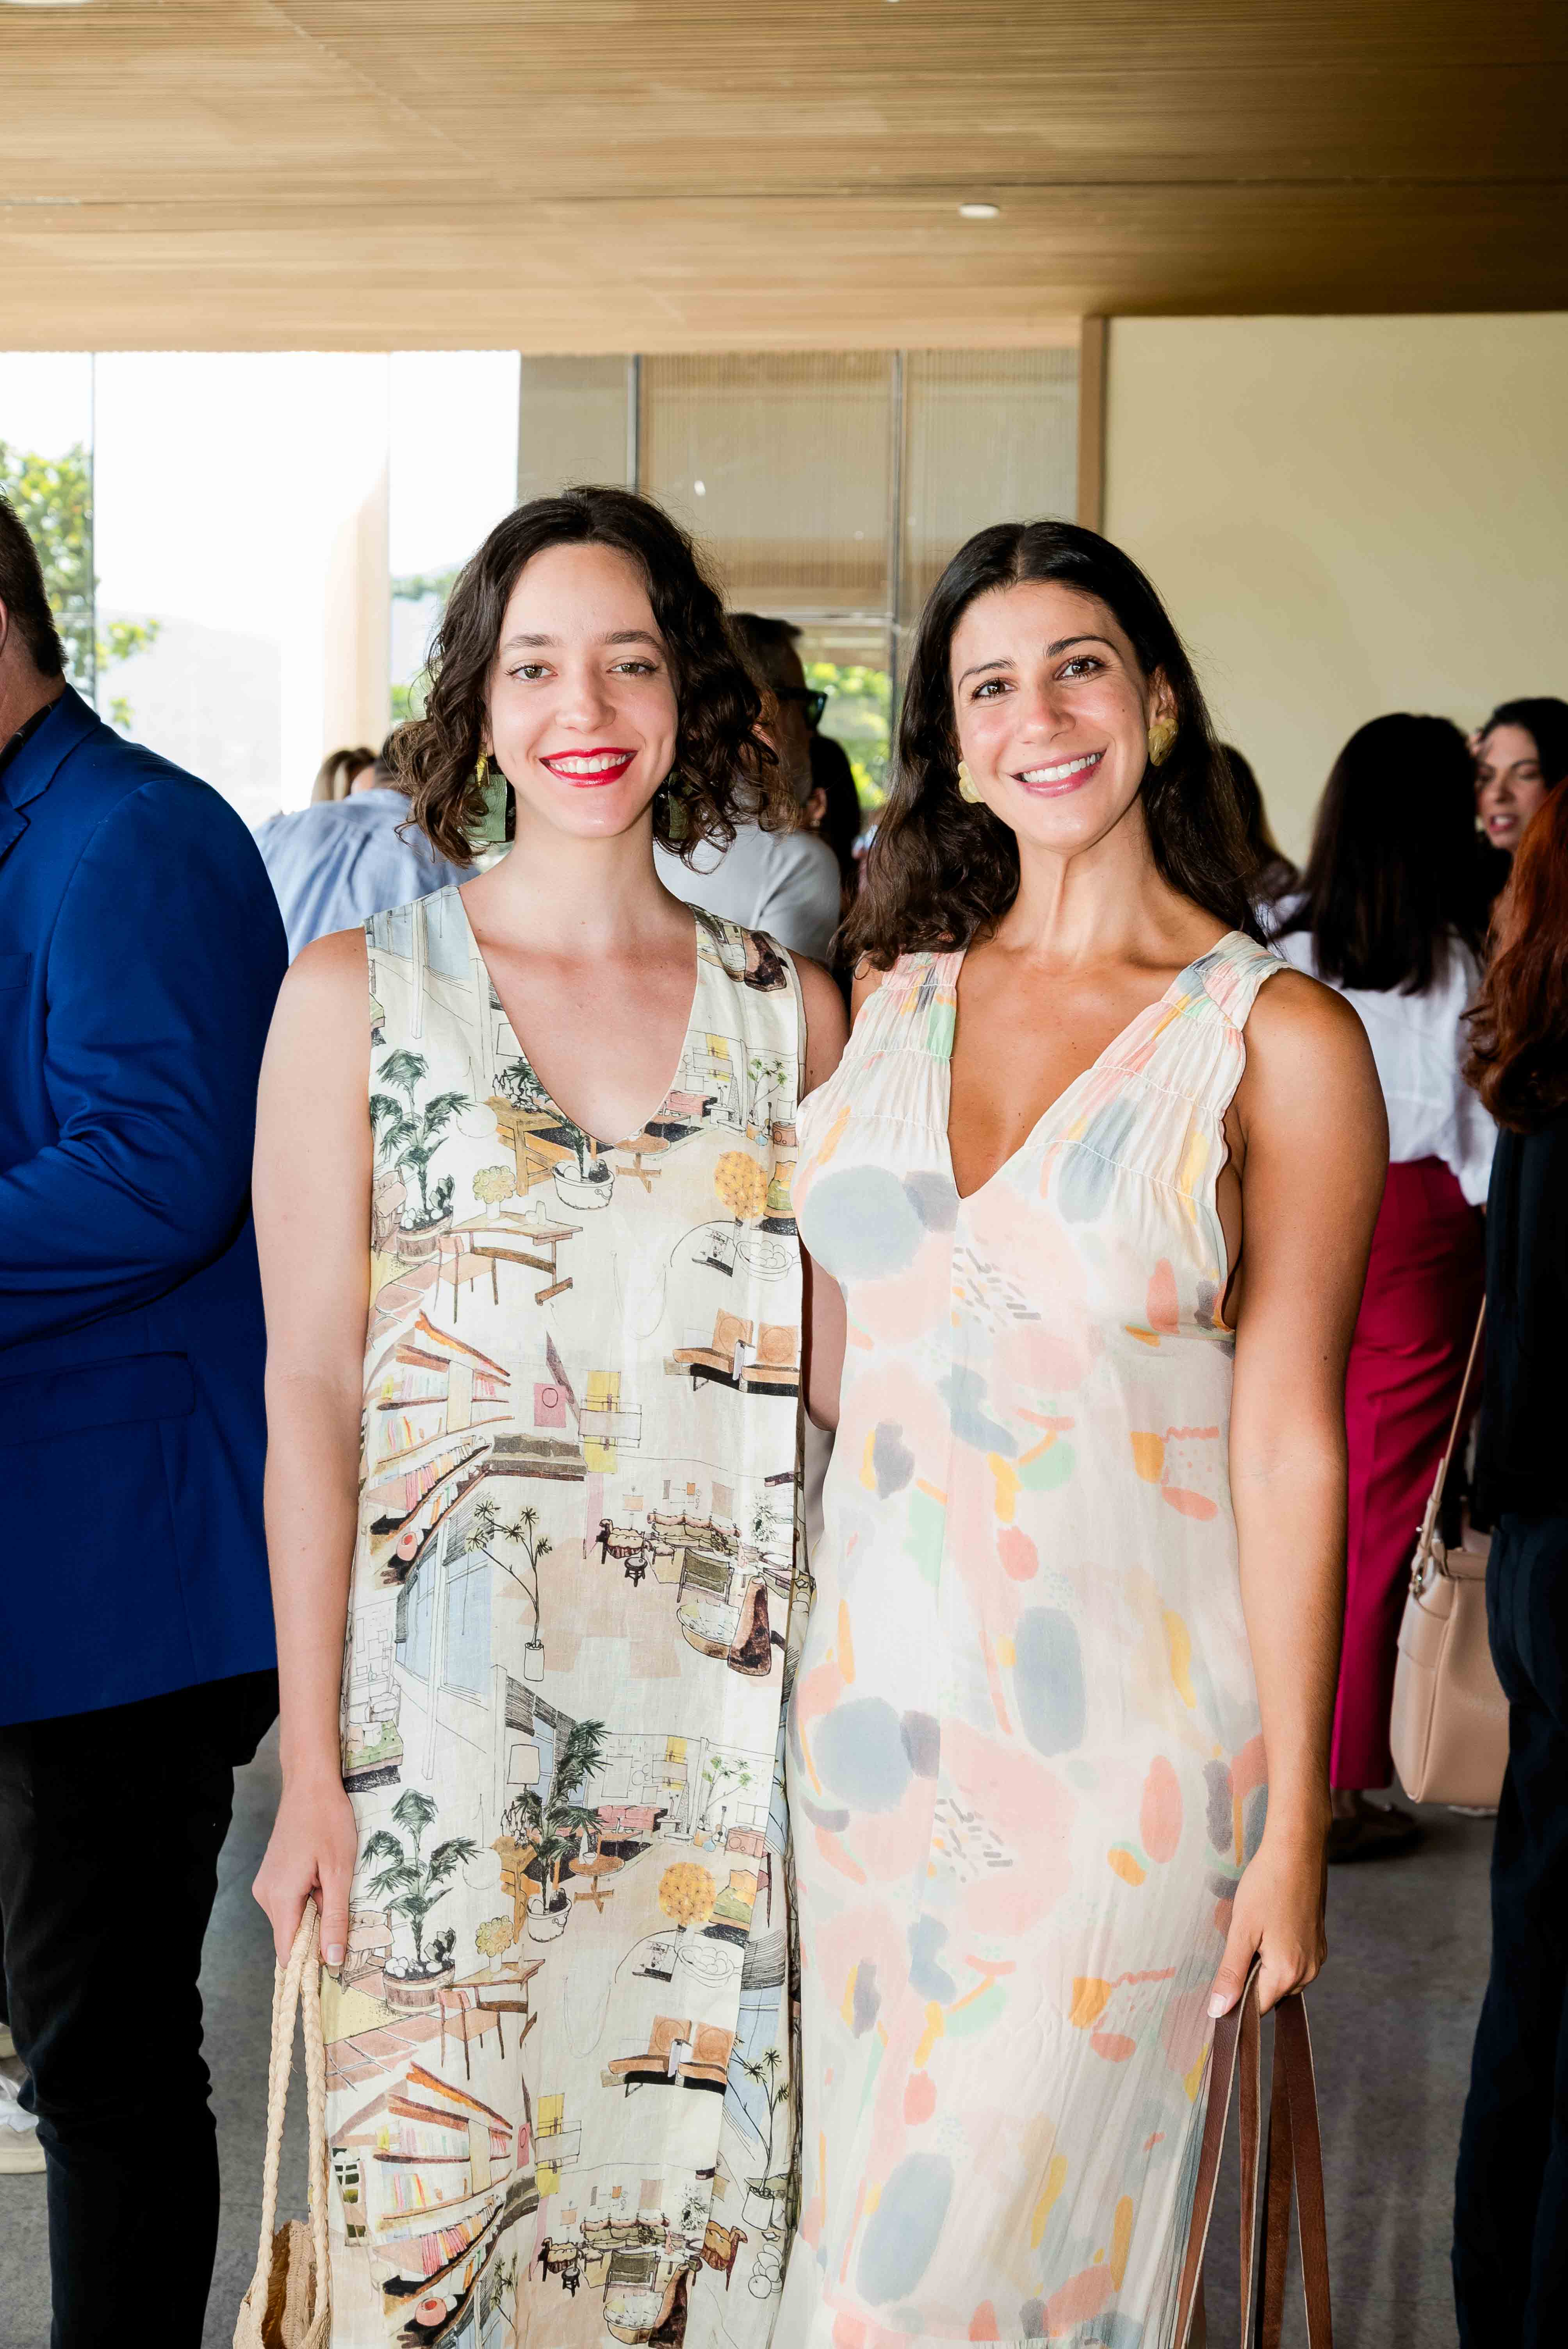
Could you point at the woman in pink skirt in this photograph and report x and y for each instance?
(1390, 916)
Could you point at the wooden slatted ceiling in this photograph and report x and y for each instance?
(702, 174)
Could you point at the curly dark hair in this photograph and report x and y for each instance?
(724, 773)
(942, 872)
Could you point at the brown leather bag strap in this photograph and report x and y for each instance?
(1295, 2151)
(1294, 2155)
(1429, 1521)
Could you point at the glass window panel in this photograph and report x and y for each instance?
(988, 436)
(45, 471)
(782, 464)
(848, 661)
(453, 465)
(467, 1662)
(241, 507)
(573, 424)
(447, 938)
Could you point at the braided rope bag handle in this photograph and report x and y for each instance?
(289, 2302)
(1293, 2158)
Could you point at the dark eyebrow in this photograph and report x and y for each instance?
(617, 637)
(1060, 646)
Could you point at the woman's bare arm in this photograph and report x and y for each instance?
(312, 1196)
(1315, 1151)
(827, 1031)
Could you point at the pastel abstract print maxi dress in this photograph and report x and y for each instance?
(561, 2100)
(1025, 1768)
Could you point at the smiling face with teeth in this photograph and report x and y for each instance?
(582, 710)
(1052, 712)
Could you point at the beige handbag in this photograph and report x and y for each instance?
(289, 2303)
(1449, 1723)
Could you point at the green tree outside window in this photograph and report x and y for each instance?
(52, 498)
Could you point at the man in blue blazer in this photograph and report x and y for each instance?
(141, 951)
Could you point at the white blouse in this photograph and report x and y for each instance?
(1419, 1043)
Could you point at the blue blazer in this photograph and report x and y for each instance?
(140, 953)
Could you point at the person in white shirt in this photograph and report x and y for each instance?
(340, 859)
(783, 882)
(1391, 915)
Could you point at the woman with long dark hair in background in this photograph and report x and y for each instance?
(1060, 1666)
(1511, 2223)
(1390, 916)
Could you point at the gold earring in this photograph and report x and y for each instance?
(1162, 734)
(966, 787)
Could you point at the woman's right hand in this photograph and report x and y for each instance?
(311, 1850)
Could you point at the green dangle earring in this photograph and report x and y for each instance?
(491, 829)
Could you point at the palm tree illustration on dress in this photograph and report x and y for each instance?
(555, 1825)
(524, 1532)
(722, 1775)
(763, 2194)
(767, 1075)
(411, 1885)
(411, 1137)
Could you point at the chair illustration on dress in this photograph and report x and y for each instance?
(720, 2247)
(641, 2305)
(756, 1361)
(697, 2059)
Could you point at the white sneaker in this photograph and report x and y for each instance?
(19, 2147)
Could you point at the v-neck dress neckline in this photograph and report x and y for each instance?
(1106, 1058)
(523, 1054)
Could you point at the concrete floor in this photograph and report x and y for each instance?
(1392, 2020)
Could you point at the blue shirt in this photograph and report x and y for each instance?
(333, 865)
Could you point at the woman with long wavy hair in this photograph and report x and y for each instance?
(1511, 2221)
(1058, 1754)
(536, 1312)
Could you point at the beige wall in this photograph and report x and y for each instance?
(1347, 516)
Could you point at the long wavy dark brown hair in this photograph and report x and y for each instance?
(942, 872)
(724, 773)
(1519, 1028)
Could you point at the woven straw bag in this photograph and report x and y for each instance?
(1448, 1728)
(289, 2303)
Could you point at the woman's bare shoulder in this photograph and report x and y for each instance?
(1309, 1068)
(322, 1008)
(827, 1027)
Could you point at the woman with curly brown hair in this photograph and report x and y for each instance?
(1060, 1733)
(1511, 2221)
(536, 1313)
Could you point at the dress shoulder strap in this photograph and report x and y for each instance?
(916, 1006)
(754, 979)
(1231, 973)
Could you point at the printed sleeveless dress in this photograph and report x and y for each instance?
(562, 2103)
(1026, 1766)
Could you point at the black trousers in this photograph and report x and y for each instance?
(1510, 2216)
(111, 1827)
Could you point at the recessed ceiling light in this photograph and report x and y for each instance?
(979, 212)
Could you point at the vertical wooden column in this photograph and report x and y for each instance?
(1091, 423)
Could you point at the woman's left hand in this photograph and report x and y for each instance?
(1277, 1916)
